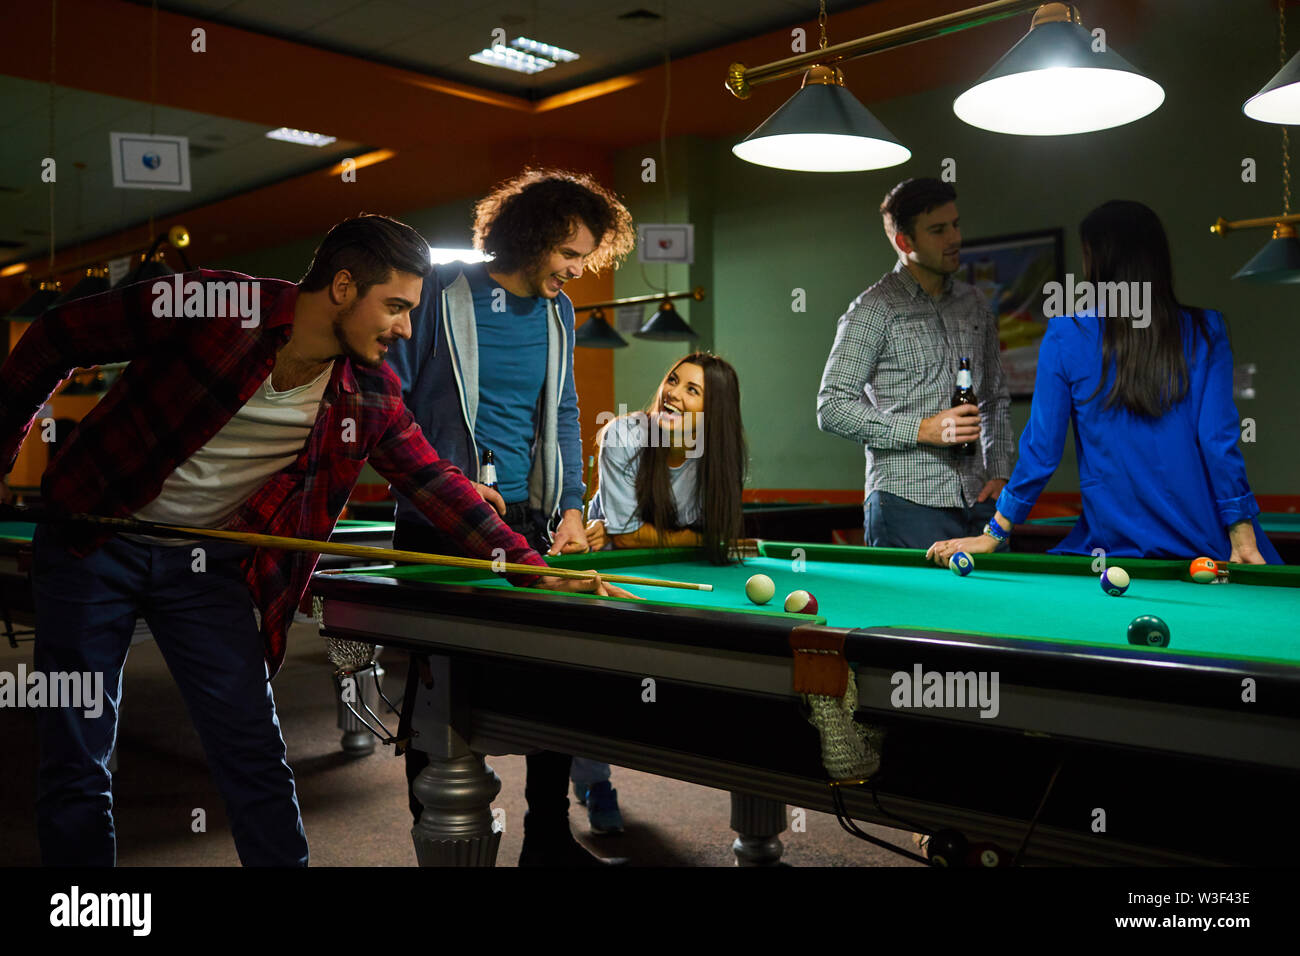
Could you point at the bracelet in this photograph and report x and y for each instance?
(994, 530)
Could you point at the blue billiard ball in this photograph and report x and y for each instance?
(1114, 581)
(961, 564)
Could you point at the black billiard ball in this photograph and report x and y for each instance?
(988, 854)
(1148, 631)
(947, 848)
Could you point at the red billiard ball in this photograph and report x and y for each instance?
(800, 602)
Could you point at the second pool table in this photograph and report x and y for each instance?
(1109, 753)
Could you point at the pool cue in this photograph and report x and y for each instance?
(379, 554)
(589, 493)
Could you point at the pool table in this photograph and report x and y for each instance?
(1114, 753)
(1039, 535)
(15, 589)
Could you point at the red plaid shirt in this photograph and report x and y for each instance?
(187, 378)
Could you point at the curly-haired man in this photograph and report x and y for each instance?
(489, 366)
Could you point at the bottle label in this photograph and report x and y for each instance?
(487, 475)
(963, 378)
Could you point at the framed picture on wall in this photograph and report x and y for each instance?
(1010, 271)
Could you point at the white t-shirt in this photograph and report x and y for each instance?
(265, 436)
(620, 457)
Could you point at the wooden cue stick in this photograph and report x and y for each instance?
(383, 554)
(590, 493)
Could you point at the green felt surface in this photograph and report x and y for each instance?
(17, 530)
(1042, 597)
(350, 524)
(1271, 522)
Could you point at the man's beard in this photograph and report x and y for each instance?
(348, 351)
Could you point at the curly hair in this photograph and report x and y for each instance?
(524, 218)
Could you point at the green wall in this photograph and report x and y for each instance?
(762, 233)
(769, 232)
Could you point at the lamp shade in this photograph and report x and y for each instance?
(1279, 100)
(150, 268)
(1278, 261)
(41, 299)
(95, 282)
(822, 129)
(1052, 83)
(596, 333)
(666, 326)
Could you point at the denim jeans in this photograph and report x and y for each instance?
(894, 522)
(204, 625)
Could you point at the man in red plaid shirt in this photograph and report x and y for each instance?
(249, 405)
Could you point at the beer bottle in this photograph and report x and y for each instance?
(964, 395)
(487, 473)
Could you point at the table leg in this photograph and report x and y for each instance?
(456, 789)
(456, 826)
(759, 822)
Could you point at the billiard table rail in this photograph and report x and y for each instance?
(1159, 737)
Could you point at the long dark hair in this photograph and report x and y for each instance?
(1124, 242)
(722, 463)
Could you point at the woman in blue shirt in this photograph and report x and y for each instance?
(1149, 394)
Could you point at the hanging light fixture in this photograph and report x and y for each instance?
(1050, 83)
(597, 333)
(42, 297)
(1056, 81)
(823, 129)
(1279, 100)
(94, 282)
(666, 325)
(1279, 260)
(152, 264)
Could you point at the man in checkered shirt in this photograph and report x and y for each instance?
(892, 371)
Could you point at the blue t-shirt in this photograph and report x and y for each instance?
(512, 370)
(1152, 488)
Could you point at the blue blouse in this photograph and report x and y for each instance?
(1151, 488)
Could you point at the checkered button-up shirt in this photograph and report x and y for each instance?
(187, 378)
(894, 362)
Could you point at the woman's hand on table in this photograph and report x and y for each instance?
(941, 551)
(597, 586)
(1244, 549)
(596, 536)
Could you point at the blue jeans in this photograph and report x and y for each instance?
(586, 772)
(204, 625)
(894, 522)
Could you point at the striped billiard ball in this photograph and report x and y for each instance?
(1114, 581)
(800, 602)
(961, 564)
(1203, 570)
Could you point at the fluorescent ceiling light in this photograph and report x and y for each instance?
(439, 255)
(510, 59)
(556, 53)
(300, 137)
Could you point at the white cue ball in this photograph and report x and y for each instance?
(760, 589)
